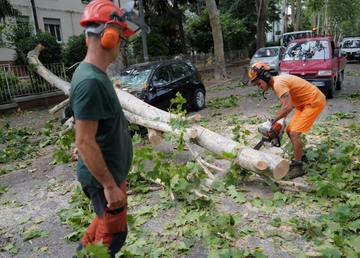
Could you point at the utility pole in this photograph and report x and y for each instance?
(34, 15)
(143, 33)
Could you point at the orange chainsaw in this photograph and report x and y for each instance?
(271, 134)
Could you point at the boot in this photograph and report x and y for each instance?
(296, 169)
(305, 159)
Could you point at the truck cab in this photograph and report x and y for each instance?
(317, 60)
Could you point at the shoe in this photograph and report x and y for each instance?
(305, 159)
(78, 249)
(296, 169)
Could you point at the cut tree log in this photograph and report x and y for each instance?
(194, 119)
(136, 111)
(154, 136)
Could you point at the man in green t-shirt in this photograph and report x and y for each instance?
(102, 135)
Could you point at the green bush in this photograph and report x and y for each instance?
(5, 79)
(10, 77)
(74, 51)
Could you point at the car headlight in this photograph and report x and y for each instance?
(324, 72)
(283, 72)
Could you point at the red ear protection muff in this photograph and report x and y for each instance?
(109, 37)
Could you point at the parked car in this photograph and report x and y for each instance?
(156, 83)
(270, 56)
(351, 45)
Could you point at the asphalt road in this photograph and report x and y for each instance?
(39, 198)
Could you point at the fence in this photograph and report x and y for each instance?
(20, 81)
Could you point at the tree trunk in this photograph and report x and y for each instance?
(139, 112)
(181, 31)
(261, 8)
(293, 19)
(284, 17)
(298, 15)
(219, 59)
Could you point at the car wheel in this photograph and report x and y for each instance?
(340, 81)
(198, 100)
(331, 92)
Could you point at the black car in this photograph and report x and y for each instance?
(156, 83)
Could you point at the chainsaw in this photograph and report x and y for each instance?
(271, 134)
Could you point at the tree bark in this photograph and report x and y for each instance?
(298, 15)
(284, 17)
(261, 8)
(293, 17)
(219, 59)
(136, 111)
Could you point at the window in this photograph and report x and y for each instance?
(180, 70)
(352, 44)
(53, 27)
(162, 76)
(305, 50)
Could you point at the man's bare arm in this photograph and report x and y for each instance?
(92, 156)
(286, 106)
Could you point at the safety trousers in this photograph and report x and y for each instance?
(109, 224)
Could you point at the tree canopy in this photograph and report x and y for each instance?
(6, 10)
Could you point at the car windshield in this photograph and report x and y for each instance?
(266, 52)
(351, 44)
(305, 50)
(133, 79)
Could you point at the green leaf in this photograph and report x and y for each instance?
(276, 222)
(11, 249)
(237, 196)
(23, 220)
(326, 189)
(331, 253)
(97, 250)
(354, 243)
(355, 225)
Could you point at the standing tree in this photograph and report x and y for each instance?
(296, 14)
(219, 58)
(261, 8)
(6, 10)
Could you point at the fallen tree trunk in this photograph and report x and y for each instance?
(136, 111)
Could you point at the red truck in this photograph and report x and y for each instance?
(317, 60)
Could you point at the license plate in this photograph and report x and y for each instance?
(319, 84)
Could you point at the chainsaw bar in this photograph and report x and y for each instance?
(259, 145)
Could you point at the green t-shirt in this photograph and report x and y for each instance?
(92, 97)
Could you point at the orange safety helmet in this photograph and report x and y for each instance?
(259, 70)
(106, 12)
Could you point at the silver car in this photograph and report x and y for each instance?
(270, 56)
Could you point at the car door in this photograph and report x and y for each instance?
(161, 88)
(184, 81)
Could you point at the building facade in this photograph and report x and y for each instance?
(59, 17)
